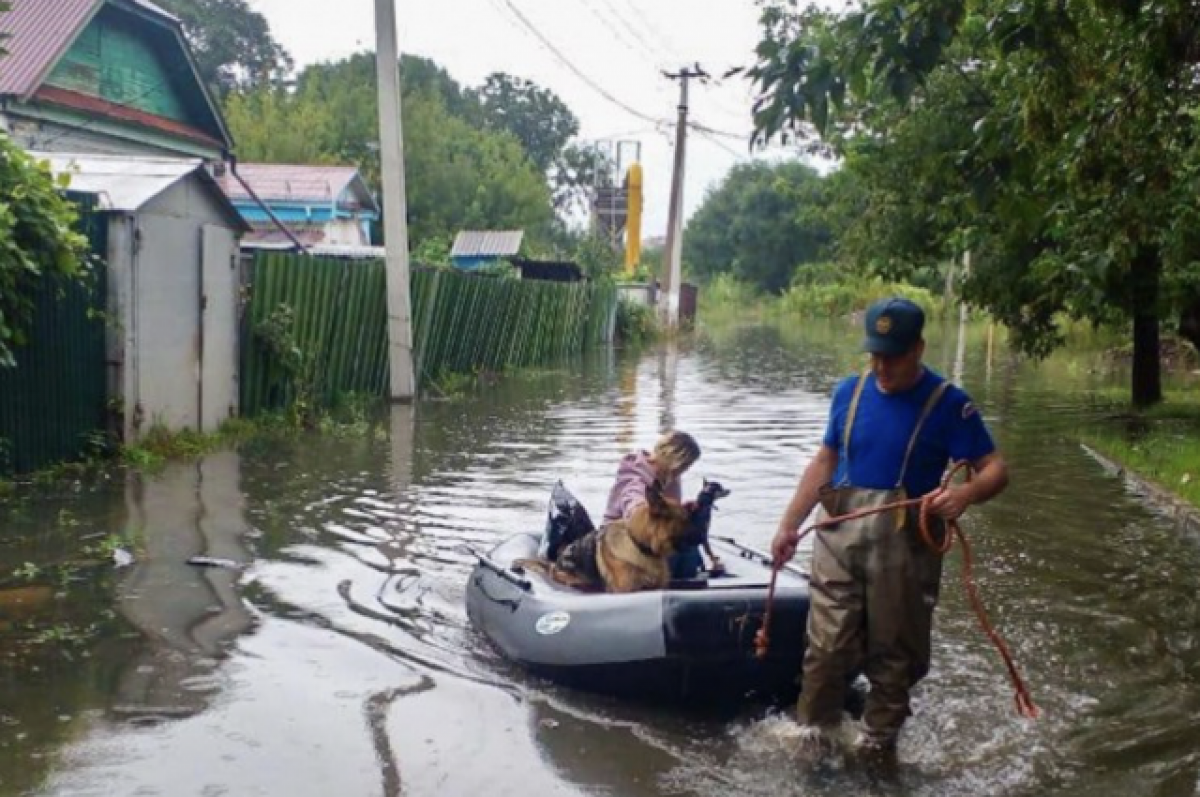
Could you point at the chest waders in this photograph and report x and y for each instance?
(874, 586)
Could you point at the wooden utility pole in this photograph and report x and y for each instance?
(673, 261)
(395, 207)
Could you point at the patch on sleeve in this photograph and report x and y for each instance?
(969, 409)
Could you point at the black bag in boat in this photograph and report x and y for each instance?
(566, 522)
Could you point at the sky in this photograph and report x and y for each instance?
(613, 47)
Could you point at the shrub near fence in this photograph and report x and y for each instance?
(337, 325)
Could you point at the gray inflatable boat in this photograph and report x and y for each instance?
(691, 642)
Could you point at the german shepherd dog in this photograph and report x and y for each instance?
(630, 555)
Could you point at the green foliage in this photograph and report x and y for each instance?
(636, 323)
(534, 116)
(38, 241)
(299, 373)
(432, 251)
(459, 174)
(759, 224)
(726, 290)
(544, 126)
(232, 43)
(850, 295)
(596, 256)
(1056, 141)
(271, 126)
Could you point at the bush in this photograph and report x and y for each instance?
(727, 290)
(850, 295)
(636, 322)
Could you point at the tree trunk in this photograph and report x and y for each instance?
(1147, 367)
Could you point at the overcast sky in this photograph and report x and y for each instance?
(620, 45)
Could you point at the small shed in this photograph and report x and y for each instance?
(548, 270)
(173, 285)
(477, 248)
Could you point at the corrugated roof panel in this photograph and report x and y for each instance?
(487, 243)
(39, 32)
(278, 182)
(122, 183)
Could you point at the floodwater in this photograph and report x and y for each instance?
(339, 659)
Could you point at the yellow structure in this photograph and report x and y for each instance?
(633, 223)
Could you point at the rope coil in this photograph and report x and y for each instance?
(1022, 696)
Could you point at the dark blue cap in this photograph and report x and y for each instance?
(893, 326)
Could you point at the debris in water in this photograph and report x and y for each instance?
(212, 561)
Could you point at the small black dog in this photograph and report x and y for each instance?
(702, 509)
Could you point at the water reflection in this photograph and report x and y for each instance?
(341, 660)
(187, 615)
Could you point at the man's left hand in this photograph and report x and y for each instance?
(950, 502)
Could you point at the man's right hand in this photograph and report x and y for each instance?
(783, 547)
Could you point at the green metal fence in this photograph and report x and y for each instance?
(461, 323)
(53, 402)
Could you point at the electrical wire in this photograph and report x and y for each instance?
(562, 58)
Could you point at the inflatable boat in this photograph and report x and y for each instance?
(691, 642)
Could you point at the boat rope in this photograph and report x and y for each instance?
(1022, 696)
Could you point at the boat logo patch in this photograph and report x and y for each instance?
(552, 623)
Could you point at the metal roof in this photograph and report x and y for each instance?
(39, 32)
(278, 182)
(487, 243)
(126, 184)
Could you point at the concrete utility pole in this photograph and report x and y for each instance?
(395, 207)
(673, 261)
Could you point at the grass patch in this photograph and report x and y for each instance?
(1160, 444)
(352, 416)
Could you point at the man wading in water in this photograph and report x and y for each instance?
(891, 433)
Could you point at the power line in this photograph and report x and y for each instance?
(654, 29)
(549, 45)
(712, 131)
(621, 37)
(722, 145)
(649, 47)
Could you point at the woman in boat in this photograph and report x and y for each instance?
(671, 457)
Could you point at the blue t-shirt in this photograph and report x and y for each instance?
(884, 423)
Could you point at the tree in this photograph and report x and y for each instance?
(533, 115)
(38, 241)
(272, 125)
(458, 175)
(1057, 141)
(545, 126)
(759, 224)
(574, 172)
(232, 43)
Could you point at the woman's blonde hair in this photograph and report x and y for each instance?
(676, 451)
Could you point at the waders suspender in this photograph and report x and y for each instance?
(930, 403)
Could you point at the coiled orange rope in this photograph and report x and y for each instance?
(1022, 697)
